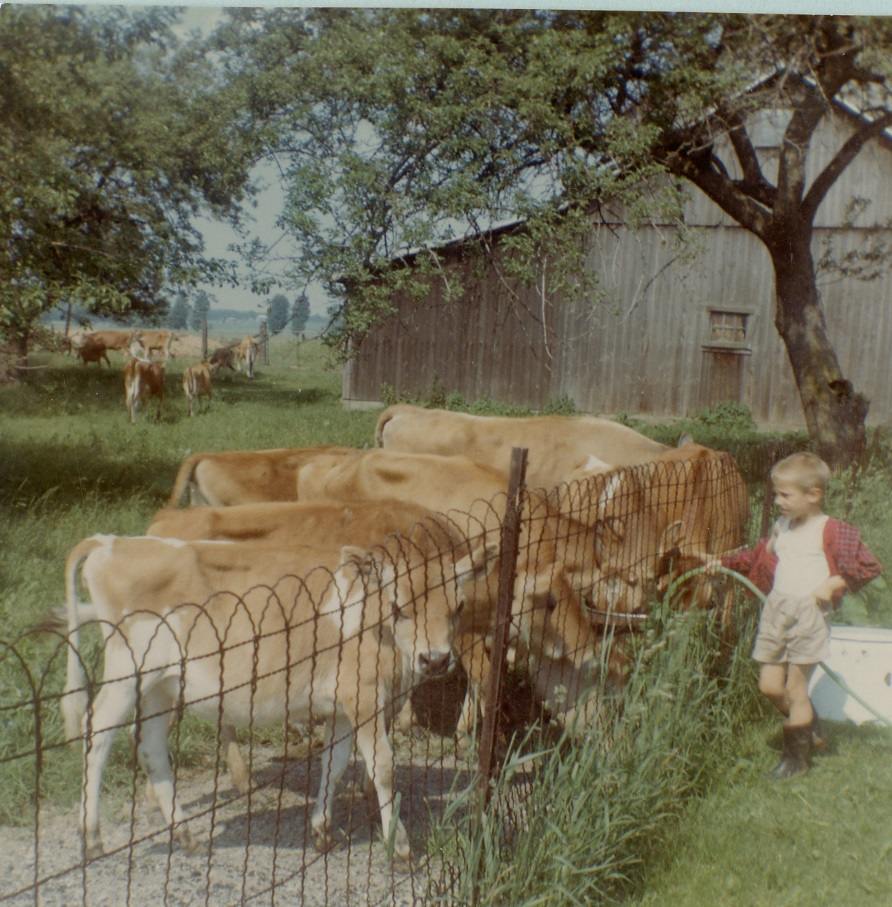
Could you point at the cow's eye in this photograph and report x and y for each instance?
(551, 601)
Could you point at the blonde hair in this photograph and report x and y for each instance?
(805, 470)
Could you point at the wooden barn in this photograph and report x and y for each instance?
(673, 334)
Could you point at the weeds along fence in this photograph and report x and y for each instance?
(273, 718)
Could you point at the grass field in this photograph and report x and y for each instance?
(72, 466)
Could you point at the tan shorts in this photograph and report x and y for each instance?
(792, 630)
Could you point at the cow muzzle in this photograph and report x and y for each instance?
(434, 663)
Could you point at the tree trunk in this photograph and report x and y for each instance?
(834, 412)
(21, 350)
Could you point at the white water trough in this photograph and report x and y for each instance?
(862, 657)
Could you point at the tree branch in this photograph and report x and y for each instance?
(838, 164)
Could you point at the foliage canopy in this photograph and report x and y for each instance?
(113, 140)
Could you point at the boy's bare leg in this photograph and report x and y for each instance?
(799, 704)
(773, 684)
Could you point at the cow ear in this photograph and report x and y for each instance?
(361, 559)
(477, 564)
(370, 565)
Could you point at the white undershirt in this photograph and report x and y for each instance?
(802, 565)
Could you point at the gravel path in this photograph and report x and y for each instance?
(261, 850)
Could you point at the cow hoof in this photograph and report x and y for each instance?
(323, 840)
(187, 841)
(402, 853)
(94, 850)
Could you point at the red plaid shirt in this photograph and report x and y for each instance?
(847, 556)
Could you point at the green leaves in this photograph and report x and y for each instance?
(112, 142)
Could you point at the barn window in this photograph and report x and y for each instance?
(727, 327)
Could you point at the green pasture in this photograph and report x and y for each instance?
(672, 809)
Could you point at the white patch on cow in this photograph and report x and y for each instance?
(343, 603)
(593, 464)
(105, 540)
(610, 490)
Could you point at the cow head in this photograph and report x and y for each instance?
(421, 597)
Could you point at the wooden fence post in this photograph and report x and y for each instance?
(498, 656)
(204, 338)
(264, 342)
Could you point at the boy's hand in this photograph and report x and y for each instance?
(827, 591)
(712, 566)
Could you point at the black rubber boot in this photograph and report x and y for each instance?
(795, 759)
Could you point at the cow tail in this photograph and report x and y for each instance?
(183, 479)
(383, 419)
(74, 700)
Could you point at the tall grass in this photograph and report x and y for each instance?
(605, 798)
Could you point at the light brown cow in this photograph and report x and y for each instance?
(559, 446)
(158, 342)
(142, 380)
(226, 477)
(92, 351)
(559, 556)
(268, 638)
(659, 520)
(246, 355)
(197, 384)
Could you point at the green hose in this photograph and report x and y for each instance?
(737, 577)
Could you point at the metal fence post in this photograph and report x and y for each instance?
(498, 657)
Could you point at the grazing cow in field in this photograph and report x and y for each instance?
(559, 446)
(143, 379)
(228, 477)
(269, 638)
(111, 340)
(246, 355)
(158, 342)
(92, 351)
(223, 357)
(197, 384)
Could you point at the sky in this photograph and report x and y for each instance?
(203, 16)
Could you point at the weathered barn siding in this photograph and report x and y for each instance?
(648, 345)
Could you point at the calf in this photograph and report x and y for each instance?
(223, 357)
(143, 379)
(197, 384)
(247, 355)
(262, 646)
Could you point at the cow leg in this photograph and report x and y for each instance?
(374, 747)
(110, 710)
(154, 756)
(239, 773)
(335, 757)
(474, 659)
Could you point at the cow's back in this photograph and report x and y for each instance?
(437, 482)
(558, 445)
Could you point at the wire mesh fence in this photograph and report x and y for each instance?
(319, 726)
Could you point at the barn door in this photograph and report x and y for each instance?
(725, 356)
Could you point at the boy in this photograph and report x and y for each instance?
(805, 567)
